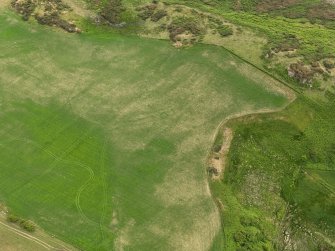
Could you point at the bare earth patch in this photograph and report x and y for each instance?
(218, 160)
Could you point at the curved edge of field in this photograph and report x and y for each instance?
(228, 136)
(218, 160)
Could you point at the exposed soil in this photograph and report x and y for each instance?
(218, 160)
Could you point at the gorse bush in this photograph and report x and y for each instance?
(47, 12)
(112, 11)
(158, 15)
(225, 30)
(185, 24)
(26, 8)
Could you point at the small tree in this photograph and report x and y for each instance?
(24, 224)
(27, 225)
(12, 218)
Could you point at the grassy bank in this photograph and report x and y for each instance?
(278, 187)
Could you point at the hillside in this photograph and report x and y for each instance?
(175, 125)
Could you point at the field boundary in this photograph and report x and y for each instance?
(262, 70)
(241, 115)
(28, 236)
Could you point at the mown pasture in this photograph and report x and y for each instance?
(104, 137)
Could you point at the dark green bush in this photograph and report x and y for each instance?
(54, 19)
(225, 30)
(158, 15)
(217, 148)
(329, 64)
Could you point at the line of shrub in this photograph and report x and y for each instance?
(23, 223)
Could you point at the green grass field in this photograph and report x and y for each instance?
(104, 137)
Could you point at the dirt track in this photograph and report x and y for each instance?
(28, 236)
